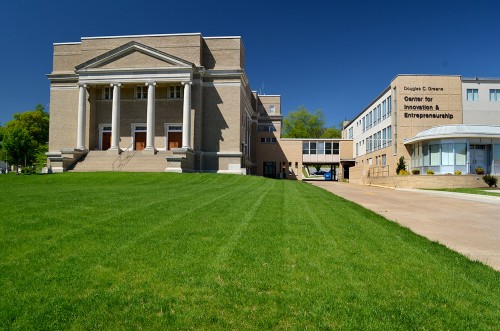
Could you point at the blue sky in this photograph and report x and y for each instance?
(333, 55)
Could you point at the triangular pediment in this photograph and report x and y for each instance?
(133, 55)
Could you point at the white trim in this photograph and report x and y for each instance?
(144, 35)
(102, 78)
(225, 37)
(166, 131)
(68, 43)
(133, 130)
(269, 95)
(101, 131)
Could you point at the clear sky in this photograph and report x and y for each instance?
(333, 55)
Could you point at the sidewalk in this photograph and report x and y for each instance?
(466, 223)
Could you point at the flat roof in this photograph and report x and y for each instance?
(147, 35)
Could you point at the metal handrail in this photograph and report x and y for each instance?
(126, 153)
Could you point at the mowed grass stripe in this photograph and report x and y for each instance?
(222, 252)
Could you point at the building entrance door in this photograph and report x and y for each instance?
(139, 141)
(174, 140)
(478, 158)
(270, 169)
(106, 141)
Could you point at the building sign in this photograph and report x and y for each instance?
(423, 103)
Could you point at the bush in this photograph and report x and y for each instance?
(403, 172)
(479, 171)
(415, 172)
(458, 172)
(401, 165)
(490, 180)
(430, 172)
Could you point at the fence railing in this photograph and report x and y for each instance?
(378, 171)
(123, 158)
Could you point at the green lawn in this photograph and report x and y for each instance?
(200, 251)
(482, 191)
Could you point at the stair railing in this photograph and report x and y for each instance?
(123, 158)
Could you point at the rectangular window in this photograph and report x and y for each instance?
(363, 125)
(272, 109)
(379, 112)
(384, 109)
(312, 148)
(384, 159)
(447, 154)
(108, 93)
(460, 154)
(335, 147)
(472, 94)
(384, 137)
(350, 133)
(435, 155)
(425, 153)
(174, 92)
(494, 95)
(142, 92)
(389, 135)
(305, 148)
(328, 148)
(321, 148)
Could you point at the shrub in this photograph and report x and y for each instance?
(415, 171)
(479, 171)
(458, 172)
(401, 165)
(430, 172)
(490, 180)
(403, 172)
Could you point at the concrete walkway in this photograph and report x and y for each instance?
(466, 223)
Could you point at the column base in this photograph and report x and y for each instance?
(149, 151)
(114, 151)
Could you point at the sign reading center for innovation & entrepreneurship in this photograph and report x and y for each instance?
(423, 103)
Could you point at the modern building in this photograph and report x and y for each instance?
(446, 124)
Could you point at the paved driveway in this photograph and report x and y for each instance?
(466, 223)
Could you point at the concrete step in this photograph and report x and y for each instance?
(137, 162)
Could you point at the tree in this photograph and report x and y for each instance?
(303, 124)
(401, 165)
(331, 132)
(24, 139)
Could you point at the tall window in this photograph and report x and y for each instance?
(174, 92)
(142, 92)
(389, 106)
(494, 95)
(384, 109)
(108, 93)
(272, 109)
(460, 154)
(472, 94)
(447, 154)
(350, 132)
(435, 156)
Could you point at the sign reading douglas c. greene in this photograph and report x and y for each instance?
(425, 103)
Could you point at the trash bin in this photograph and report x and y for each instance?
(328, 176)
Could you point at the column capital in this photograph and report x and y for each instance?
(187, 83)
(115, 84)
(84, 85)
(150, 83)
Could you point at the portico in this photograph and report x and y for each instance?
(177, 98)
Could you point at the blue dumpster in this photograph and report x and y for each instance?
(328, 176)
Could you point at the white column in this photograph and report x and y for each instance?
(186, 116)
(150, 126)
(82, 109)
(115, 118)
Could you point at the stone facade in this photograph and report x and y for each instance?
(185, 95)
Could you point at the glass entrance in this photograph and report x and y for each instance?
(478, 158)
